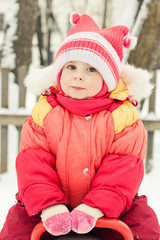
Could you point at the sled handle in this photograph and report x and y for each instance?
(102, 222)
(117, 225)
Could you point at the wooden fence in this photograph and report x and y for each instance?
(7, 118)
(17, 120)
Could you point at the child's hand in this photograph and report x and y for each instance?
(84, 218)
(57, 219)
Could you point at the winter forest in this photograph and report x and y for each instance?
(31, 31)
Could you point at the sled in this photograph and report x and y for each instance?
(103, 222)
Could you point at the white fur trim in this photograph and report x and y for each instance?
(53, 210)
(137, 81)
(39, 80)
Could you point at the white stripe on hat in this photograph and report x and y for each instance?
(96, 38)
(88, 57)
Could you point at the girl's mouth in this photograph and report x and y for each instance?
(77, 88)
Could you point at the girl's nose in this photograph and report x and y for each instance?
(78, 78)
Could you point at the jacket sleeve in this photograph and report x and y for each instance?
(38, 183)
(33, 136)
(118, 179)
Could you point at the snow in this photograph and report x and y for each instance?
(8, 184)
(151, 181)
(8, 189)
(11, 21)
(139, 21)
(141, 17)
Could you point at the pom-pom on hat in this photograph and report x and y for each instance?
(103, 49)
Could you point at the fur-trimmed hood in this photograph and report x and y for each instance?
(137, 81)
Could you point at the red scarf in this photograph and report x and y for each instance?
(84, 107)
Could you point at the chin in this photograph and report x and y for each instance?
(79, 98)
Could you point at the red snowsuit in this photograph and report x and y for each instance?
(95, 159)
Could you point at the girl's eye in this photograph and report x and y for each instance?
(71, 67)
(92, 69)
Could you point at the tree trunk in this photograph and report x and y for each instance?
(147, 52)
(27, 17)
(146, 55)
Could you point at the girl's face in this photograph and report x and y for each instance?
(80, 80)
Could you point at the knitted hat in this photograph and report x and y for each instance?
(102, 49)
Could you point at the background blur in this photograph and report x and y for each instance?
(31, 31)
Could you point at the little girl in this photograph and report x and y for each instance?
(82, 148)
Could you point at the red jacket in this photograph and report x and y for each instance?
(68, 158)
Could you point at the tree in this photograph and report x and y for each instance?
(46, 25)
(19, 30)
(147, 55)
(17, 49)
(147, 52)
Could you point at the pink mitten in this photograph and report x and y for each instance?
(57, 219)
(84, 218)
